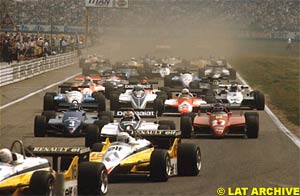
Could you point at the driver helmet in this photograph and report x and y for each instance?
(144, 80)
(138, 91)
(88, 80)
(123, 137)
(185, 91)
(5, 156)
(218, 108)
(74, 106)
(234, 87)
(128, 116)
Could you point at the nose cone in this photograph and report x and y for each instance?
(218, 131)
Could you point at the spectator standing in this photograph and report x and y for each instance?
(289, 44)
(18, 50)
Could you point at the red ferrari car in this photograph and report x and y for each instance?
(219, 122)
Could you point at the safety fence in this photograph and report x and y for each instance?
(27, 69)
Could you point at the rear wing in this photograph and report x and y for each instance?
(56, 152)
(140, 113)
(159, 133)
(145, 86)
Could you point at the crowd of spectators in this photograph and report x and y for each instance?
(256, 15)
(264, 15)
(22, 46)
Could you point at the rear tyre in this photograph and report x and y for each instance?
(186, 126)
(108, 89)
(158, 106)
(114, 101)
(41, 183)
(168, 81)
(188, 159)
(259, 100)
(194, 85)
(201, 72)
(49, 102)
(49, 114)
(106, 115)
(100, 100)
(92, 179)
(92, 135)
(40, 126)
(160, 166)
(252, 124)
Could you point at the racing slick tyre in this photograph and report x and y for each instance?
(158, 106)
(92, 178)
(165, 90)
(201, 72)
(49, 114)
(106, 115)
(160, 166)
(171, 125)
(40, 126)
(252, 124)
(114, 101)
(186, 126)
(100, 123)
(232, 74)
(100, 100)
(49, 103)
(188, 159)
(97, 147)
(168, 81)
(259, 100)
(194, 85)
(108, 89)
(42, 183)
(92, 135)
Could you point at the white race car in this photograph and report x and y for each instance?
(111, 129)
(238, 95)
(138, 97)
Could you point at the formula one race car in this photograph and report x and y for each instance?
(27, 174)
(181, 80)
(109, 128)
(184, 102)
(218, 122)
(157, 154)
(83, 95)
(138, 97)
(239, 96)
(163, 70)
(215, 70)
(73, 122)
(94, 65)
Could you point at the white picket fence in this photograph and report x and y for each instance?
(27, 69)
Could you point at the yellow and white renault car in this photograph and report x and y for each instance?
(157, 154)
(31, 175)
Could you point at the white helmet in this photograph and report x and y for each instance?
(5, 156)
(185, 91)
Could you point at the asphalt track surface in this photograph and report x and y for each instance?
(272, 160)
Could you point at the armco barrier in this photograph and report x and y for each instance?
(26, 69)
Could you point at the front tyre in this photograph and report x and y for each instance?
(252, 124)
(92, 179)
(160, 166)
(186, 126)
(188, 159)
(42, 183)
(40, 126)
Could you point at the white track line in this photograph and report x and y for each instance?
(279, 124)
(36, 92)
